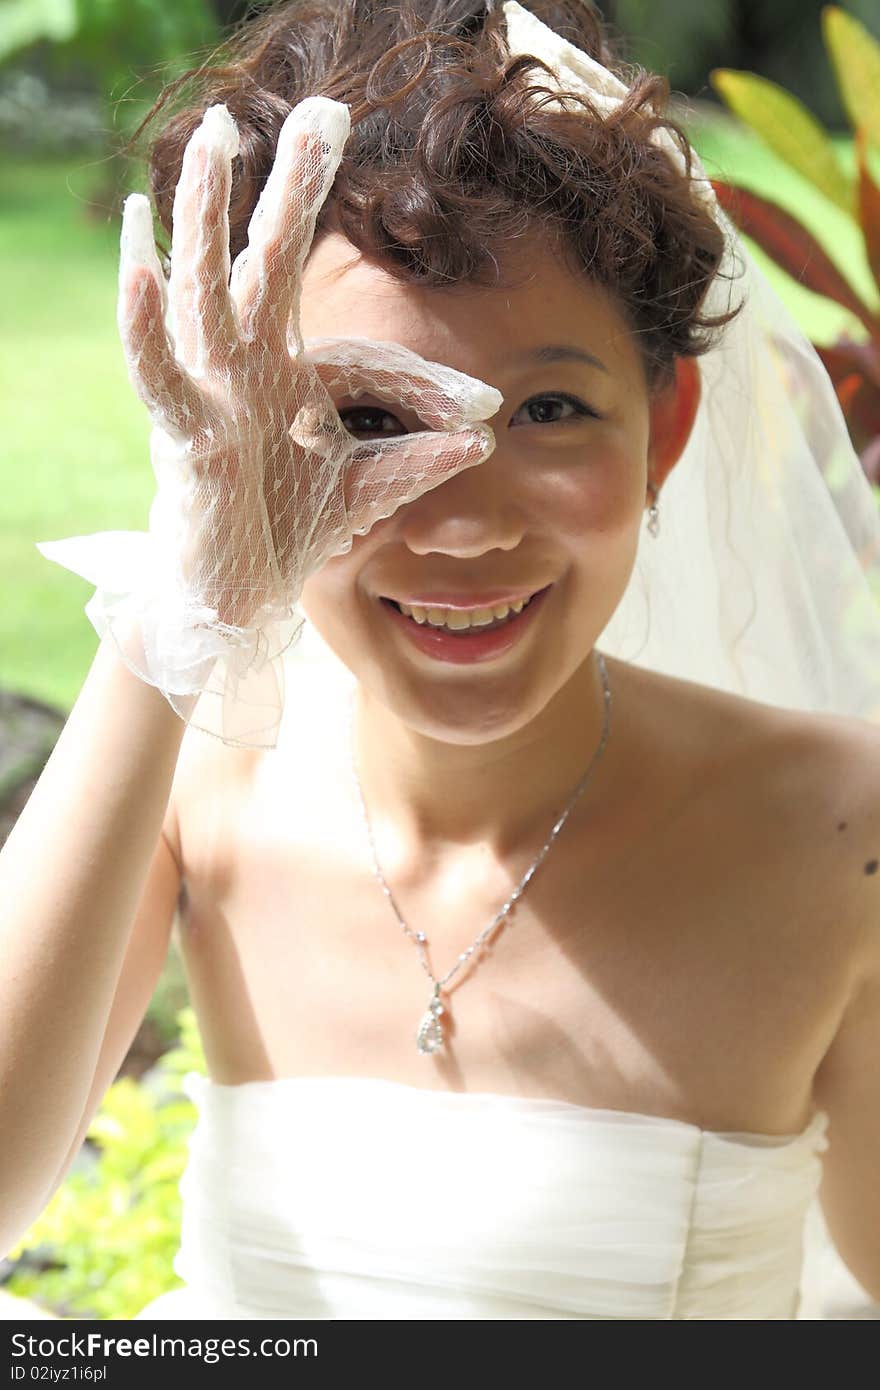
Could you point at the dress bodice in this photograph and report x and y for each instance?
(355, 1197)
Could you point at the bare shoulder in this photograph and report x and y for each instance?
(824, 758)
(819, 778)
(833, 749)
(805, 785)
(845, 753)
(830, 765)
(819, 781)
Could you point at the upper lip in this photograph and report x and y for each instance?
(446, 598)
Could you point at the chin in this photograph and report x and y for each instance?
(459, 709)
(468, 703)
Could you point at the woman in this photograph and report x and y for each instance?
(608, 1092)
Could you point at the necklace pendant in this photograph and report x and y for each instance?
(429, 1037)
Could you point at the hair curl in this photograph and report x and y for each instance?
(455, 151)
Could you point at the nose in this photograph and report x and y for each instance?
(472, 512)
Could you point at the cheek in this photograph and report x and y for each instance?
(328, 590)
(331, 597)
(600, 497)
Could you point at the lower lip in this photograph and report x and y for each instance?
(475, 645)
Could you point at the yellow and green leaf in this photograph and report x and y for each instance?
(855, 59)
(789, 128)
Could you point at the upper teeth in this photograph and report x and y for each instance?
(457, 618)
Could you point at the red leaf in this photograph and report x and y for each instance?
(845, 357)
(869, 205)
(847, 390)
(792, 247)
(860, 403)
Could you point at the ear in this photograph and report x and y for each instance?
(672, 414)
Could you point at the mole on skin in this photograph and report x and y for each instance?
(872, 864)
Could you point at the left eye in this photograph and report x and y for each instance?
(375, 413)
(564, 399)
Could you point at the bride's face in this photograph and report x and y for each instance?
(559, 502)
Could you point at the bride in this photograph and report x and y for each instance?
(538, 971)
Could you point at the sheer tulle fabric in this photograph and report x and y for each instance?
(352, 1197)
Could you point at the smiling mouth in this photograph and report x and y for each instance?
(468, 629)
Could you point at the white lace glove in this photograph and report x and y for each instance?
(259, 482)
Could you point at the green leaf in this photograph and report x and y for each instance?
(855, 58)
(789, 128)
(114, 1227)
(23, 22)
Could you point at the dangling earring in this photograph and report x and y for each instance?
(654, 513)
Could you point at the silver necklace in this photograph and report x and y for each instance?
(429, 1034)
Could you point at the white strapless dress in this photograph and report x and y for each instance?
(352, 1197)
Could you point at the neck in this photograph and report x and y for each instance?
(503, 796)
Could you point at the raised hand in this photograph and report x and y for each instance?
(259, 480)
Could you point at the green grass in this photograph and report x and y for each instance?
(74, 446)
(75, 438)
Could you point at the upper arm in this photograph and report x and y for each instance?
(141, 967)
(847, 1085)
(847, 1082)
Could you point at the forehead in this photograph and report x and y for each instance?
(466, 326)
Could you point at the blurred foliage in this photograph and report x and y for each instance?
(36, 119)
(674, 39)
(791, 130)
(103, 61)
(124, 50)
(108, 40)
(113, 42)
(24, 22)
(780, 40)
(105, 1244)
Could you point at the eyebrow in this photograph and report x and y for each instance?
(558, 352)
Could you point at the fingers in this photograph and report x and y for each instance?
(441, 396)
(202, 318)
(383, 475)
(172, 398)
(266, 276)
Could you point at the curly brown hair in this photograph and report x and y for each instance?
(455, 152)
